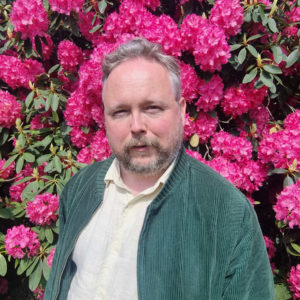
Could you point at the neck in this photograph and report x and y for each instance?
(139, 182)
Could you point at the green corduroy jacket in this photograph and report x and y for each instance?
(200, 238)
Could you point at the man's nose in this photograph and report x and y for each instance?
(137, 123)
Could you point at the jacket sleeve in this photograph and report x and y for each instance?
(249, 274)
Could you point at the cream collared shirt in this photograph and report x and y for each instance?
(106, 251)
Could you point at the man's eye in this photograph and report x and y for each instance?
(119, 113)
(153, 109)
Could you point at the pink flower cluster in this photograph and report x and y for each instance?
(270, 247)
(239, 100)
(42, 210)
(41, 121)
(29, 17)
(20, 241)
(189, 82)
(17, 73)
(211, 93)
(10, 109)
(231, 147)
(228, 15)
(206, 41)
(15, 191)
(99, 149)
(294, 281)
(287, 207)
(204, 126)
(3, 286)
(70, 55)
(8, 171)
(281, 148)
(39, 293)
(66, 6)
(50, 257)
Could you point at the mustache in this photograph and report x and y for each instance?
(141, 141)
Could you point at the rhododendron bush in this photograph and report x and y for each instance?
(240, 64)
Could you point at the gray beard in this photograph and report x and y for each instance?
(164, 157)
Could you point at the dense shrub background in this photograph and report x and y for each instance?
(240, 76)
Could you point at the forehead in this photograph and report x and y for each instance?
(139, 77)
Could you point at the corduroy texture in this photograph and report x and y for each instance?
(200, 238)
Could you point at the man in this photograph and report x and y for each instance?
(151, 222)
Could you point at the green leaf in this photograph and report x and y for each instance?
(4, 136)
(48, 102)
(292, 58)
(278, 171)
(3, 265)
(43, 158)
(49, 235)
(272, 25)
(30, 190)
(32, 266)
(242, 56)
(57, 164)
(266, 78)
(10, 160)
(28, 47)
(23, 266)
(250, 76)
(54, 102)
(254, 37)
(19, 164)
(102, 6)
(45, 142)
(261, 12)
(38, 46)
(54, 68)
(277, 53)
(288, 181)
(49, 167)
(25, 179)
(272, 69)
(296, 247)
(35, 276)
(252, 50)
(235, 47)
(22, 140)
(29, 157)
(46, 269)
(29, 99)
(55, 116)
(282, 292)
(5, 213)
(95, 28)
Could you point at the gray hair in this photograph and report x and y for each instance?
(142, 48)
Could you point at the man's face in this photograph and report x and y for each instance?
(144, 123)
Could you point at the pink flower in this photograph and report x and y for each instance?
(84, 156)
(3, 286)
(39, 293)
(228, 15)
(195, 154)
(205, 126)
(292, 121)
(100, 149)
(294, 281)
(10, 109)
(70, 55)
(17, 73)
(239, 100)
(231, 147)
(42, 210)
(211, 93)
(287, 207)
(189, 127)
(66, 6)
(50, 257)
(79, 138)
(29, 17)
(270, 247)
(8, 171)
(41, 121)
(211, 49)
(20, 241)
(189, 82)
